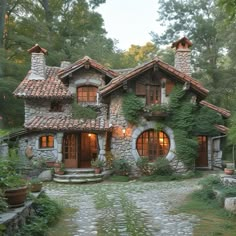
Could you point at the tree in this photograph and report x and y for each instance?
(229, 7)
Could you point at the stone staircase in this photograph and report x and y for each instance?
(78, 176)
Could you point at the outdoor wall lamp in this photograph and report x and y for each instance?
(124, 132)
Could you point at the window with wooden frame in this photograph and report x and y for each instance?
(46, 141)
(87, 94)
(153, 144)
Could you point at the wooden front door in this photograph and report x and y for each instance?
(88, 149)
(202, 160)
(70, 150)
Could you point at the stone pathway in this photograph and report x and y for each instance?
(126, 209)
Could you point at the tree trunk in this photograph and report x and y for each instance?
(3, 4)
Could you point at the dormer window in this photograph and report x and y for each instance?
(87, 94)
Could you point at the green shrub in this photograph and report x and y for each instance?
(3, 203)
(121, 166)
(210, 181)
(144, 166)
(162, 167)
(47, 208)
(83, 112)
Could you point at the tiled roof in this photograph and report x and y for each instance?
(65, 123)
(118, 81)
(222, 111)
(50, 88)
(182, 40)
(89, 62)
(37, 49)
(222, 129)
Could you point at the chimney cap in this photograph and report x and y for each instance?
(182, 43)
(37, 49)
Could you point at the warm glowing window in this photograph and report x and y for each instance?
(46, 141)
(153, 144)
(87, 94)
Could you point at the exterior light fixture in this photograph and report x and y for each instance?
(89, 135)
(124, 131)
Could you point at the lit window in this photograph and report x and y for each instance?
(153, 144)
(87, 94)
(46, 141)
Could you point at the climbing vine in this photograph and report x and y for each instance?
(189, 120)
(131, 107)
(83, 112)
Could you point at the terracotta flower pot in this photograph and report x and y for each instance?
(16, 197)
(50, 164)
(228, 171)
(97, 170)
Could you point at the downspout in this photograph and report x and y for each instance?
(212, 153)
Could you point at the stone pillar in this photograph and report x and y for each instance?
(102, 146)
(4, 149)
(59, 146)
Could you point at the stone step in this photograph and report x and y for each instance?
(79, 170)
(78, 181)
(78, 176)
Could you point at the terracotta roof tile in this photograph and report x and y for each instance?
(222, 111)
(222, 129)
(81, 63)
(117, 82)
(182, 40)
(37, 49)
(65, 123)
(50, 88)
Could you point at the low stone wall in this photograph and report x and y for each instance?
(14, 218)
(4, 149)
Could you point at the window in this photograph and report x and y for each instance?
(46, 141)
(87, 94)
(56, 106)
(153, 144)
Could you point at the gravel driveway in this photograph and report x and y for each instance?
(132, 208)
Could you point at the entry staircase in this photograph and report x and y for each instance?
(79, 176)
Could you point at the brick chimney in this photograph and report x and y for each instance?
(183, 55)
(38, 66)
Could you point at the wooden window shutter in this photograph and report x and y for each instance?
(140, 89)
(169, 87)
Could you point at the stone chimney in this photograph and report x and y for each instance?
(38, 65)
(183, 55)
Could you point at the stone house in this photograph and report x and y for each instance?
(53, 133)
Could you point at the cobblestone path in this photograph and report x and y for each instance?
(125, 209)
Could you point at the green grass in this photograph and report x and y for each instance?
(118, 178)
(214, 220)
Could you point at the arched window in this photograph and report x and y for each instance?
(153, 144)
(46, 141)
(87, 94)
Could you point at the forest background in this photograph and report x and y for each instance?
(71, 29)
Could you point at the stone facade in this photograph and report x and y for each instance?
(183, 60)
(4, 149)
(37, 66)
(42, 108)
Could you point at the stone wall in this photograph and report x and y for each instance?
(183, 60)
(32, 140)
(4, 149)
(38, 66)
(42, 108)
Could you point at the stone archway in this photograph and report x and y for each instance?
(152, 125)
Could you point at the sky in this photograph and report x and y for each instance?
(130, 21)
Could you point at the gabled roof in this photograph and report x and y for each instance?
(118, 81)
(66, 123)
(86, 61)
(50, 87)
(184, 41)
(222, 111)
(37, 49)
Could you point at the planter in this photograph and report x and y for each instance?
(229, 171)
(16, 197)
(50, 164)
(97, 170)
(36, 187)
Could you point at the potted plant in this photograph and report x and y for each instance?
(98, 165)
(35, 184)
(13, 185)
(229, 170)
(59, 168)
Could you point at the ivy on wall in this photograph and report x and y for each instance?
(131, 107)
(83, 112)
